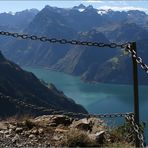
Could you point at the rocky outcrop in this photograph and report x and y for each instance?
(54, 131)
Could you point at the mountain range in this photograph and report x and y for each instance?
(86, 24)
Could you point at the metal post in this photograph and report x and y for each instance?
(136, 93)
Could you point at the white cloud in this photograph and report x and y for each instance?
(93, 1)
(123, 8)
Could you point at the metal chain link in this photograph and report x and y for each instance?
(55, 111)
(62, 41)
(138, 59)
(126, 46)
(130, 118)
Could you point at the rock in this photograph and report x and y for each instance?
(10, 131)
(6, 132)
(59, 130)
(19, 144)
(31, 136)
(12, 127)
(54, 120)
(97, 125)
(82, 124)
(40, 130)
(57, 138)
(16, 138)
(61, 119)
(91, 125)
(34, 131)
(7, 136)
(18, 130)
(1, 132)
(3, 126)
(100, 136)
(52, 124)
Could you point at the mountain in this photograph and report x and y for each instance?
(115, 69)
(48, 23)
(24, 86)
(80, 59)
(17, 21)
(85, 24)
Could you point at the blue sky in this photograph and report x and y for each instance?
(13, 6)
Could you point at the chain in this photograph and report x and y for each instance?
(136, 128)
(55, 111)
(126, 46)
(139, 60)
(129, 116)
(61, 41)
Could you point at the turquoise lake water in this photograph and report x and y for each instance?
(97, 98)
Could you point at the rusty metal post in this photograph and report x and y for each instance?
(136, 92)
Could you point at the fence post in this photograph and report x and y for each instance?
(136, 93)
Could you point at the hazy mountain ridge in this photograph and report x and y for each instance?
(83, 23)
(18, 20)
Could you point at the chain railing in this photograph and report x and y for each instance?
(62, 41)
(139, 60)
(126, 46)
(128, 116)
(131, 119)
(56, 111)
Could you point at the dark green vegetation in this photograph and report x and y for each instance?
(92, 64)
(24, 86)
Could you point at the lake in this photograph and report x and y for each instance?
(97, 98)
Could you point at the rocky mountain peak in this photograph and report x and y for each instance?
(81, 6)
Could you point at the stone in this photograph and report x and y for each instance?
(61, 119)
(31, 136)
(53, 120)
(100, 136)
(10, 131)
(82, 124)
(16, 138)
(7, 136)
(34, 131)
(40, 130)
(6, 132)
(59, 130)
(18, 130)
(1, 132)
(57, 138)
(3, 126)
(12, 127)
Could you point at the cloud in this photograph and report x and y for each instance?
(93, 1)
(123, 8)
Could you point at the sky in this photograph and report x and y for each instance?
(15, 6)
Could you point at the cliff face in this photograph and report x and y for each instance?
(24, 86)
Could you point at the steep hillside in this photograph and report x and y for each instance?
(119, 68)
(26, 87)
(81, 59)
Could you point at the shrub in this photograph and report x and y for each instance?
(75, 138)
(29, 124)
